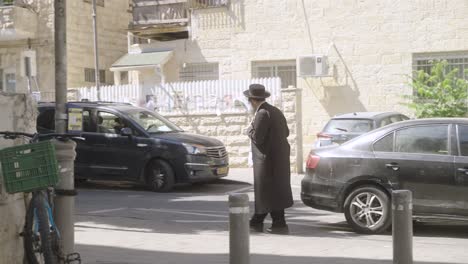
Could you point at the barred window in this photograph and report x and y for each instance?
(285, 70)
(90, 75)
(455, 60)
(98, 2)
(199, 72)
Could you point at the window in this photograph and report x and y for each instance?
(46, 121)
(455, 60)
(87, 124)
(6, 2)
(285, 70)
(10, 82)
(109, 123)
(98, 2)
(90, 75)
(463, 138)
(199, 72)
(348, 126)
(423, 139)
(385, 121)
(384, 144)
(1, 80)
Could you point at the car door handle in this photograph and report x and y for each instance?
(394, 166)
(464, 170)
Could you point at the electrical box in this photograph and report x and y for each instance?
(314, 65)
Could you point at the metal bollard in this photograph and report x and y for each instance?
(402, 220)
(239, 230)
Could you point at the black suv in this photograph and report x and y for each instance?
(123, 142)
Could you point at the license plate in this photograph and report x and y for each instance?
(223, 170)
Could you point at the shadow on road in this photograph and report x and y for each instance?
(203, 207)
(133, 256)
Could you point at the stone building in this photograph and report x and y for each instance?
(27, 43)
(371, 47)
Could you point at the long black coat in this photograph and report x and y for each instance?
(270, 155)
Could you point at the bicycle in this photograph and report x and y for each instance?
(42, 241)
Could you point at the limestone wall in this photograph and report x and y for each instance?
(18, 113)
(376, 40)
(113, 20)
(230, 129)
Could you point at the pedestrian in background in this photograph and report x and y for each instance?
(270, 154)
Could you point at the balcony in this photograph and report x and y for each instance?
(161, 20)
(166, 19)
(16, 22)
(209, 3)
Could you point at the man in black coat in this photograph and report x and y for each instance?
(270, 154)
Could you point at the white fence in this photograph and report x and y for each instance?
(198, 97)
(215, 96)
(110, 93)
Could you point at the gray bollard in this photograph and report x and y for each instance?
(239, 230)
(402, 221)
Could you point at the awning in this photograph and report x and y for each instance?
(141, 60)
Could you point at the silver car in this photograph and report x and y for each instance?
(342, 128)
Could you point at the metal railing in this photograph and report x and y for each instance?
(7, 2)
(209, 3)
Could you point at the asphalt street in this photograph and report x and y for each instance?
(125, 223)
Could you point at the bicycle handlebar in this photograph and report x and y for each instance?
(37, 137)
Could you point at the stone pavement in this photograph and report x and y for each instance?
(124, 223)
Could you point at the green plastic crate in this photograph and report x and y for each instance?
(29, 167)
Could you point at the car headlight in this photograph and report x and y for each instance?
(194, 149)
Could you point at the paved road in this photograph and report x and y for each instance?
(124, 223)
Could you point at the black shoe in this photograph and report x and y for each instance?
(278, 230)
(256, 227)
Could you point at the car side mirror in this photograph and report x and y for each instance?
(126, 131)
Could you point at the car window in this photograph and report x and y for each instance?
(384, 144)
(87, 125)
(109, 123)
(348, 126)
(463, 139)
(423, 139)
(151, 122)
(46, 121)
(396, 118)
(385, 121)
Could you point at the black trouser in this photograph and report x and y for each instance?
(276, 216)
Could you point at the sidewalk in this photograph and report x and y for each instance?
(130, 225)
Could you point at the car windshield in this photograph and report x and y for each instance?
(152, 122)
(339, 126)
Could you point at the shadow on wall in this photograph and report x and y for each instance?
(338, 93)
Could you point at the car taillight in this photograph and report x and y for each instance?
(312, 161)
(323, 136)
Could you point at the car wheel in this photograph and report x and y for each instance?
(160, 176)
(367, 210)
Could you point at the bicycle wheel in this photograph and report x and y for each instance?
(38, 235)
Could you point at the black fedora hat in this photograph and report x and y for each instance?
(256, 91)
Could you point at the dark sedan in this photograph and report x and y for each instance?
(429, 157)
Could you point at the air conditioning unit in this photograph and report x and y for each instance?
(314, 65)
